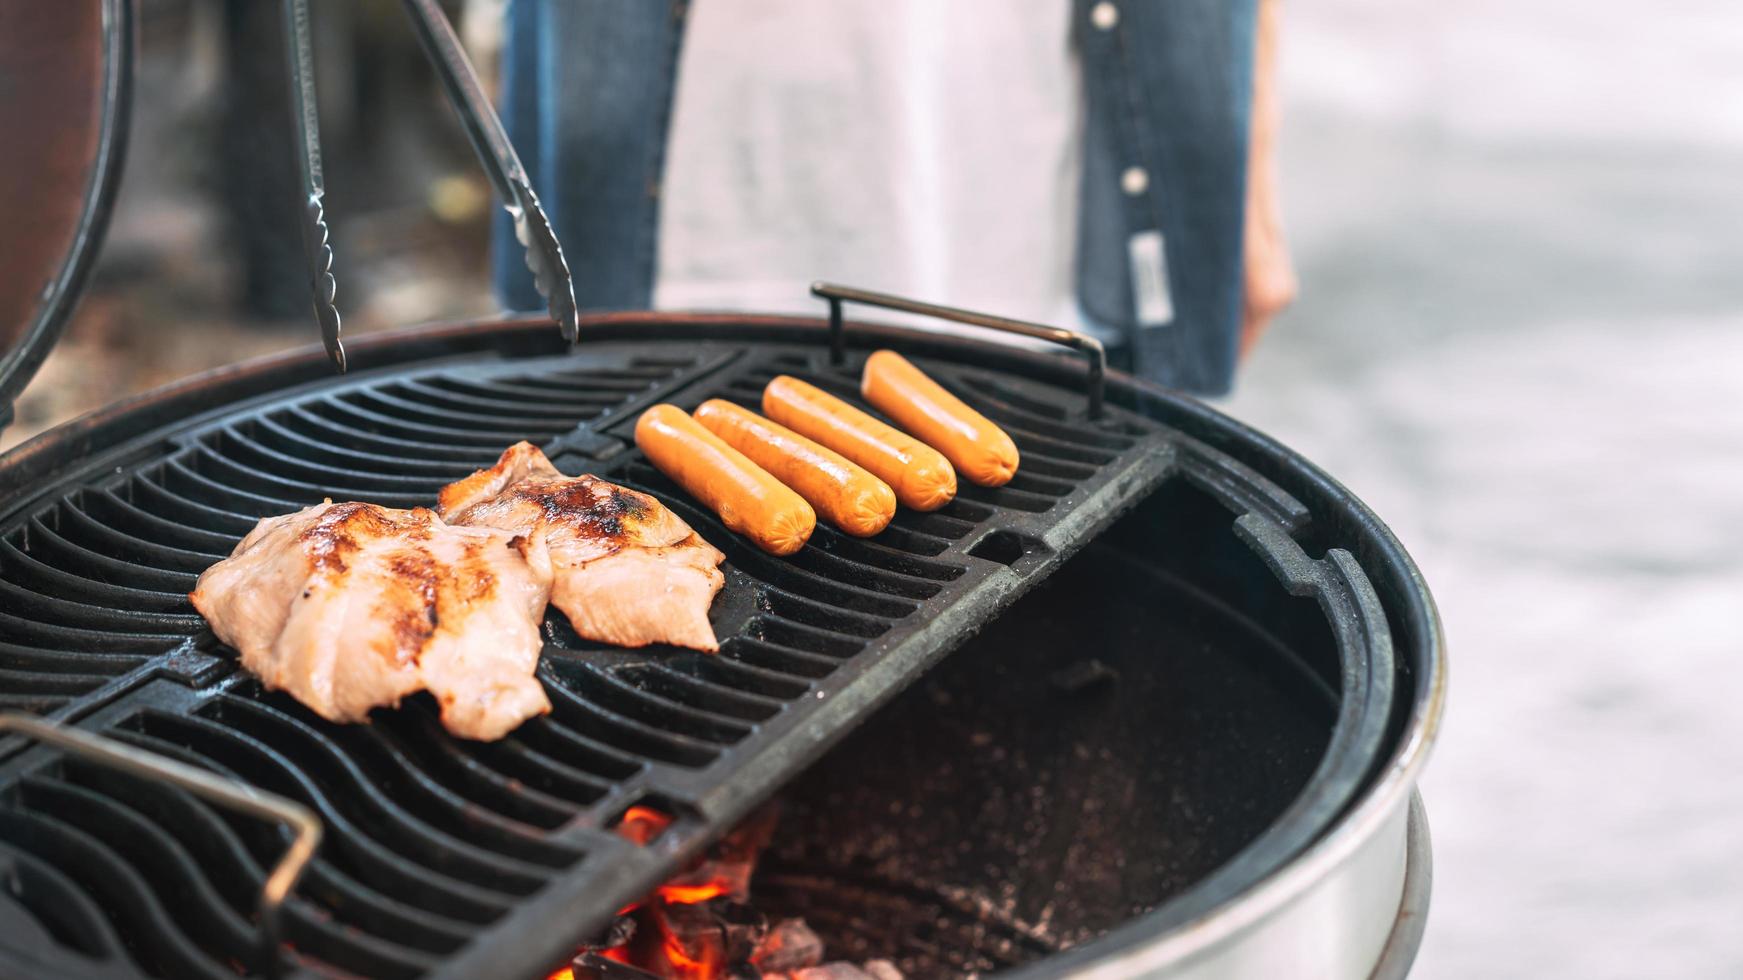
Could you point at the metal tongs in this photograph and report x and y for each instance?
(544, 254)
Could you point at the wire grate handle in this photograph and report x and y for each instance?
(1094, 355)
(228, 793)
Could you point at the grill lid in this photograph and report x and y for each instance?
(65, 92)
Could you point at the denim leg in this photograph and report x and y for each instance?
(1169, 93)
(587, 99)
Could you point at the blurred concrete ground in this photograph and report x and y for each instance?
(1520, 236)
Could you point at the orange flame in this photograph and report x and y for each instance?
(726, 871)
(685, 967)
(641, 824)
(692, 894)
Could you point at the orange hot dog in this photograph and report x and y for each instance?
(845, 494)
(980, 450)
(746, 497)
(920, 475)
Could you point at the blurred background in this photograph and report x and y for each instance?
(202, 263)
(1519, 230)
(1519, 234)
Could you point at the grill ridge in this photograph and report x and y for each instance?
(337, 777)
(23, 569)
(46, 608)
(469, 781)
(698, 729)
(152, 488)
(379, 861)
(554, 416)
(279, 432)
(59, 908)
(94, 865)
(166, 866)
(185, 479)
(764, 654)
(702, 694)
(81, 528)
(328, 896)
(475, 793)
(319, 425)
(530, 756)
(112, 510)
(603, 720)
(49, 663)
(64, 552)
(382, 766)
(328, 480)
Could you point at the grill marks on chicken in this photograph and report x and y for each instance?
(352, 606)
(625, 569)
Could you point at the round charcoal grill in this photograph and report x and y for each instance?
(1195, 682)
(1156, 707)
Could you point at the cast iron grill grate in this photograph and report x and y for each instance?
(444, 855)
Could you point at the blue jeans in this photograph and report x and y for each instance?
(587, 99)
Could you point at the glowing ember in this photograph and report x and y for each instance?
(697, 926)
(691, 894)
(695, 952)
(642, 824)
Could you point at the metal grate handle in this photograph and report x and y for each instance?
(223, 792)
(1095, 356)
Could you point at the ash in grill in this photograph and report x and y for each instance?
(1118, 682)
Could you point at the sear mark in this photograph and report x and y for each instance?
(587, 505)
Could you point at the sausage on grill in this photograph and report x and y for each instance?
(920, 475)
(841, 491)
(980, 450)
(747, 498)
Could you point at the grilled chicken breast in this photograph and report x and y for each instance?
(625, 570)
(353, 606)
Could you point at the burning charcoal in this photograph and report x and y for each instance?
(641, 824)
(882, 969)
(742, 928)
(592, 966)
(693, 935)
(728, 865)
(620, 932)
(790, 945)
(697, 926)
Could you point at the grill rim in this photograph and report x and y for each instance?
(1137, 945)
(1399, 584)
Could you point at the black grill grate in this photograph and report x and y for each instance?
(445, 855)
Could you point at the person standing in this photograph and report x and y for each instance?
(1106, 165)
